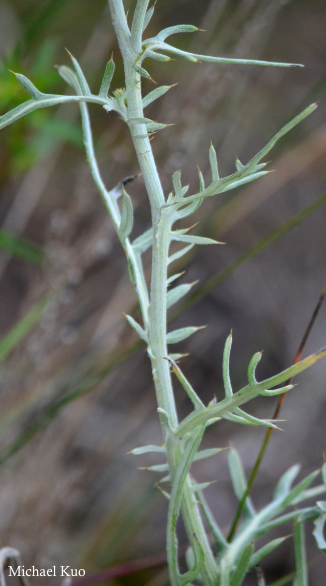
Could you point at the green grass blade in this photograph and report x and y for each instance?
(16, 334)
(20, 248)
(301, 568)
(285, 580)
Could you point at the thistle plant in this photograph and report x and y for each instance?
(226, 562)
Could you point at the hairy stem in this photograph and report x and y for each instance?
(162, 220)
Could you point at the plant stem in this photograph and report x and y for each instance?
(162, 221)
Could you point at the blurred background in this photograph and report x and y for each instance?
(76, 389)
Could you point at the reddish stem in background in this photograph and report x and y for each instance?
(275, 415)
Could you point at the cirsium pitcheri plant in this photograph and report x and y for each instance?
(182, 438)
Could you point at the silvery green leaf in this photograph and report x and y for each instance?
(69, 76)
(251, 420)
(143, 242)
(194, 572)
(201, 485)
(141, 333)
(318, 532)
(213, 163)
(156, 468)
(107, 78)
(293, 516)
(155, 126)
(174, 277)
(158, 56)
(272, 392)
(155, 94)
(176, 357)
(265, 550)
(242, 566)
(146, 449)
(166, 494)
(221, 60)
(197, 403)
(189, 209)
(174, 295)
(202, 454)
(283, 486)
(173, 30)
(238, 165)
(299, 488)
(226, 366)
(127, 216)
(201, 180)
(215, 530)
(322, 506)
(166, 478)
(309, 515)
(193, 239)
(148, 16)
(29, 86)
(181, 334)
(177, 186)
(31, 105)
(246, 419)
(243, 181)
(165, 417)
(145, 121)
(142, 72)
(179, 253)
(252, 367)
(239, 481)
(80, 76)
(279, 135)
(310, 493)
(235, 419)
